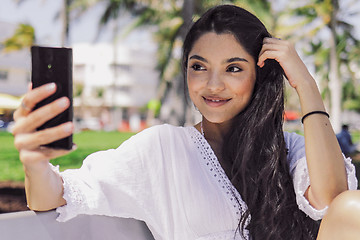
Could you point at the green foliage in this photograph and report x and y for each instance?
(347, 47)
(352, 104)
(262, 9)
(87, 142)
(23, 37)
(351, 95)
(78, 89)
(10, 166)
(114, 7)
(99, 92)
(154, 105)
(317, 8)
(355, 136)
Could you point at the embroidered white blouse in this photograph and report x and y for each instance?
(170, 178)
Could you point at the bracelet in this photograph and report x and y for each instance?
(314, 112)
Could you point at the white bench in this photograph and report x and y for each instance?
(31, 225)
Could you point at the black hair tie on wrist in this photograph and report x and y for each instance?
(314, 112)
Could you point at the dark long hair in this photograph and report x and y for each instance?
(255, 147)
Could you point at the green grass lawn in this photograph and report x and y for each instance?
(355, 137)
(87, 142)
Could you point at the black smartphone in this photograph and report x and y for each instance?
(50, 64)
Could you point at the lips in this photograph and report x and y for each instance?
(216, 101)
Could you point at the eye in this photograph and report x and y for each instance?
(233, 69)
(198, 67)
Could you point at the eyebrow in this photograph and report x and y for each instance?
(198, 58)
(236, 59)
(230, 60)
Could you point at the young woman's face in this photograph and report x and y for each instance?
(220, 76)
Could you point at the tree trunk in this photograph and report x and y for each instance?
(335, 81)
(187, 13)
(116, 116)
(65, 26)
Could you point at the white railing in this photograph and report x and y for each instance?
(31, 225)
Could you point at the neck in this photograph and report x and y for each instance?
(214, 132)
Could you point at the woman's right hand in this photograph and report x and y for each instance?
(28, 140)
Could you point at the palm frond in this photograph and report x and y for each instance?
(23, 37)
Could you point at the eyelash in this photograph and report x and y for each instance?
(233, 67)
(198, 67)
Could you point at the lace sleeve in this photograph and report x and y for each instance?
(75, 199)
(79, 195)
(302, 182)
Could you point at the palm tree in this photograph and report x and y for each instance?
(65, 17)
(111, 14)
(328, 12)
(169, 17)
(351, 86)
(69, 12)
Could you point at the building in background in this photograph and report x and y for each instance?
(14, 66)
(14, 76)
(113, 88)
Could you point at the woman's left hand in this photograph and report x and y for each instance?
(284, 52)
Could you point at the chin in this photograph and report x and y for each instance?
(217, 119)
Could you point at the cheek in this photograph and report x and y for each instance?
(245, 85)
(193, 83)
(191, 87)
(245, 90)
(189, 82)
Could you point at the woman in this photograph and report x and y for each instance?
(235, 175)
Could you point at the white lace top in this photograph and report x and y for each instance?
(170, 178)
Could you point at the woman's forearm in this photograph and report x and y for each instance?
(44, 188)
(324, 158)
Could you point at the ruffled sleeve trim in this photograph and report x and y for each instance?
(302, 182)
(76, 202)
(74, 198)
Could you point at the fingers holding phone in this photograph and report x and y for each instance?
(33, 120)
(27, 139)
(54, 65)
(43, 123)
(36, 139)
(26, 136)
(32, 97)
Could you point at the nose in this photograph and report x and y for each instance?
(215, 82)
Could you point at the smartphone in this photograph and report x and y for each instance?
(50, 64)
